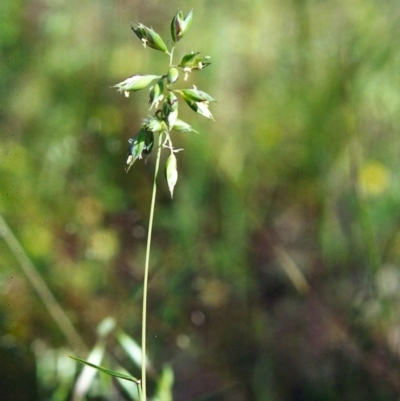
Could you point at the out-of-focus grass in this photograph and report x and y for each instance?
(303, 156)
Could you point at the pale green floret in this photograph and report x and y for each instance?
(171, 172)
(135, 83)
(149, 37)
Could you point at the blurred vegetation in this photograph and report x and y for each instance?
(275, 269)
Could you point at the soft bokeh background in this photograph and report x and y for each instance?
(275, 268)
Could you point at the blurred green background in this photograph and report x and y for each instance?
(275, 268)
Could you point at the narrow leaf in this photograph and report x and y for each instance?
(86, 377)
(107, 371)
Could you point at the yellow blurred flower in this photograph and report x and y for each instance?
(374, 178)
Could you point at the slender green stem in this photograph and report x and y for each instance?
(146, 269)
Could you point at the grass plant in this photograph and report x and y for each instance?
(156, 130)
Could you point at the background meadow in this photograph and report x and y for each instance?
(275, 268)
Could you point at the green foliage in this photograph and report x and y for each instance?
(304, 159)
(86, 380)
(107, 371)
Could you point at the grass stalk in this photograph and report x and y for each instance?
(146, 269)
(56, 311)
